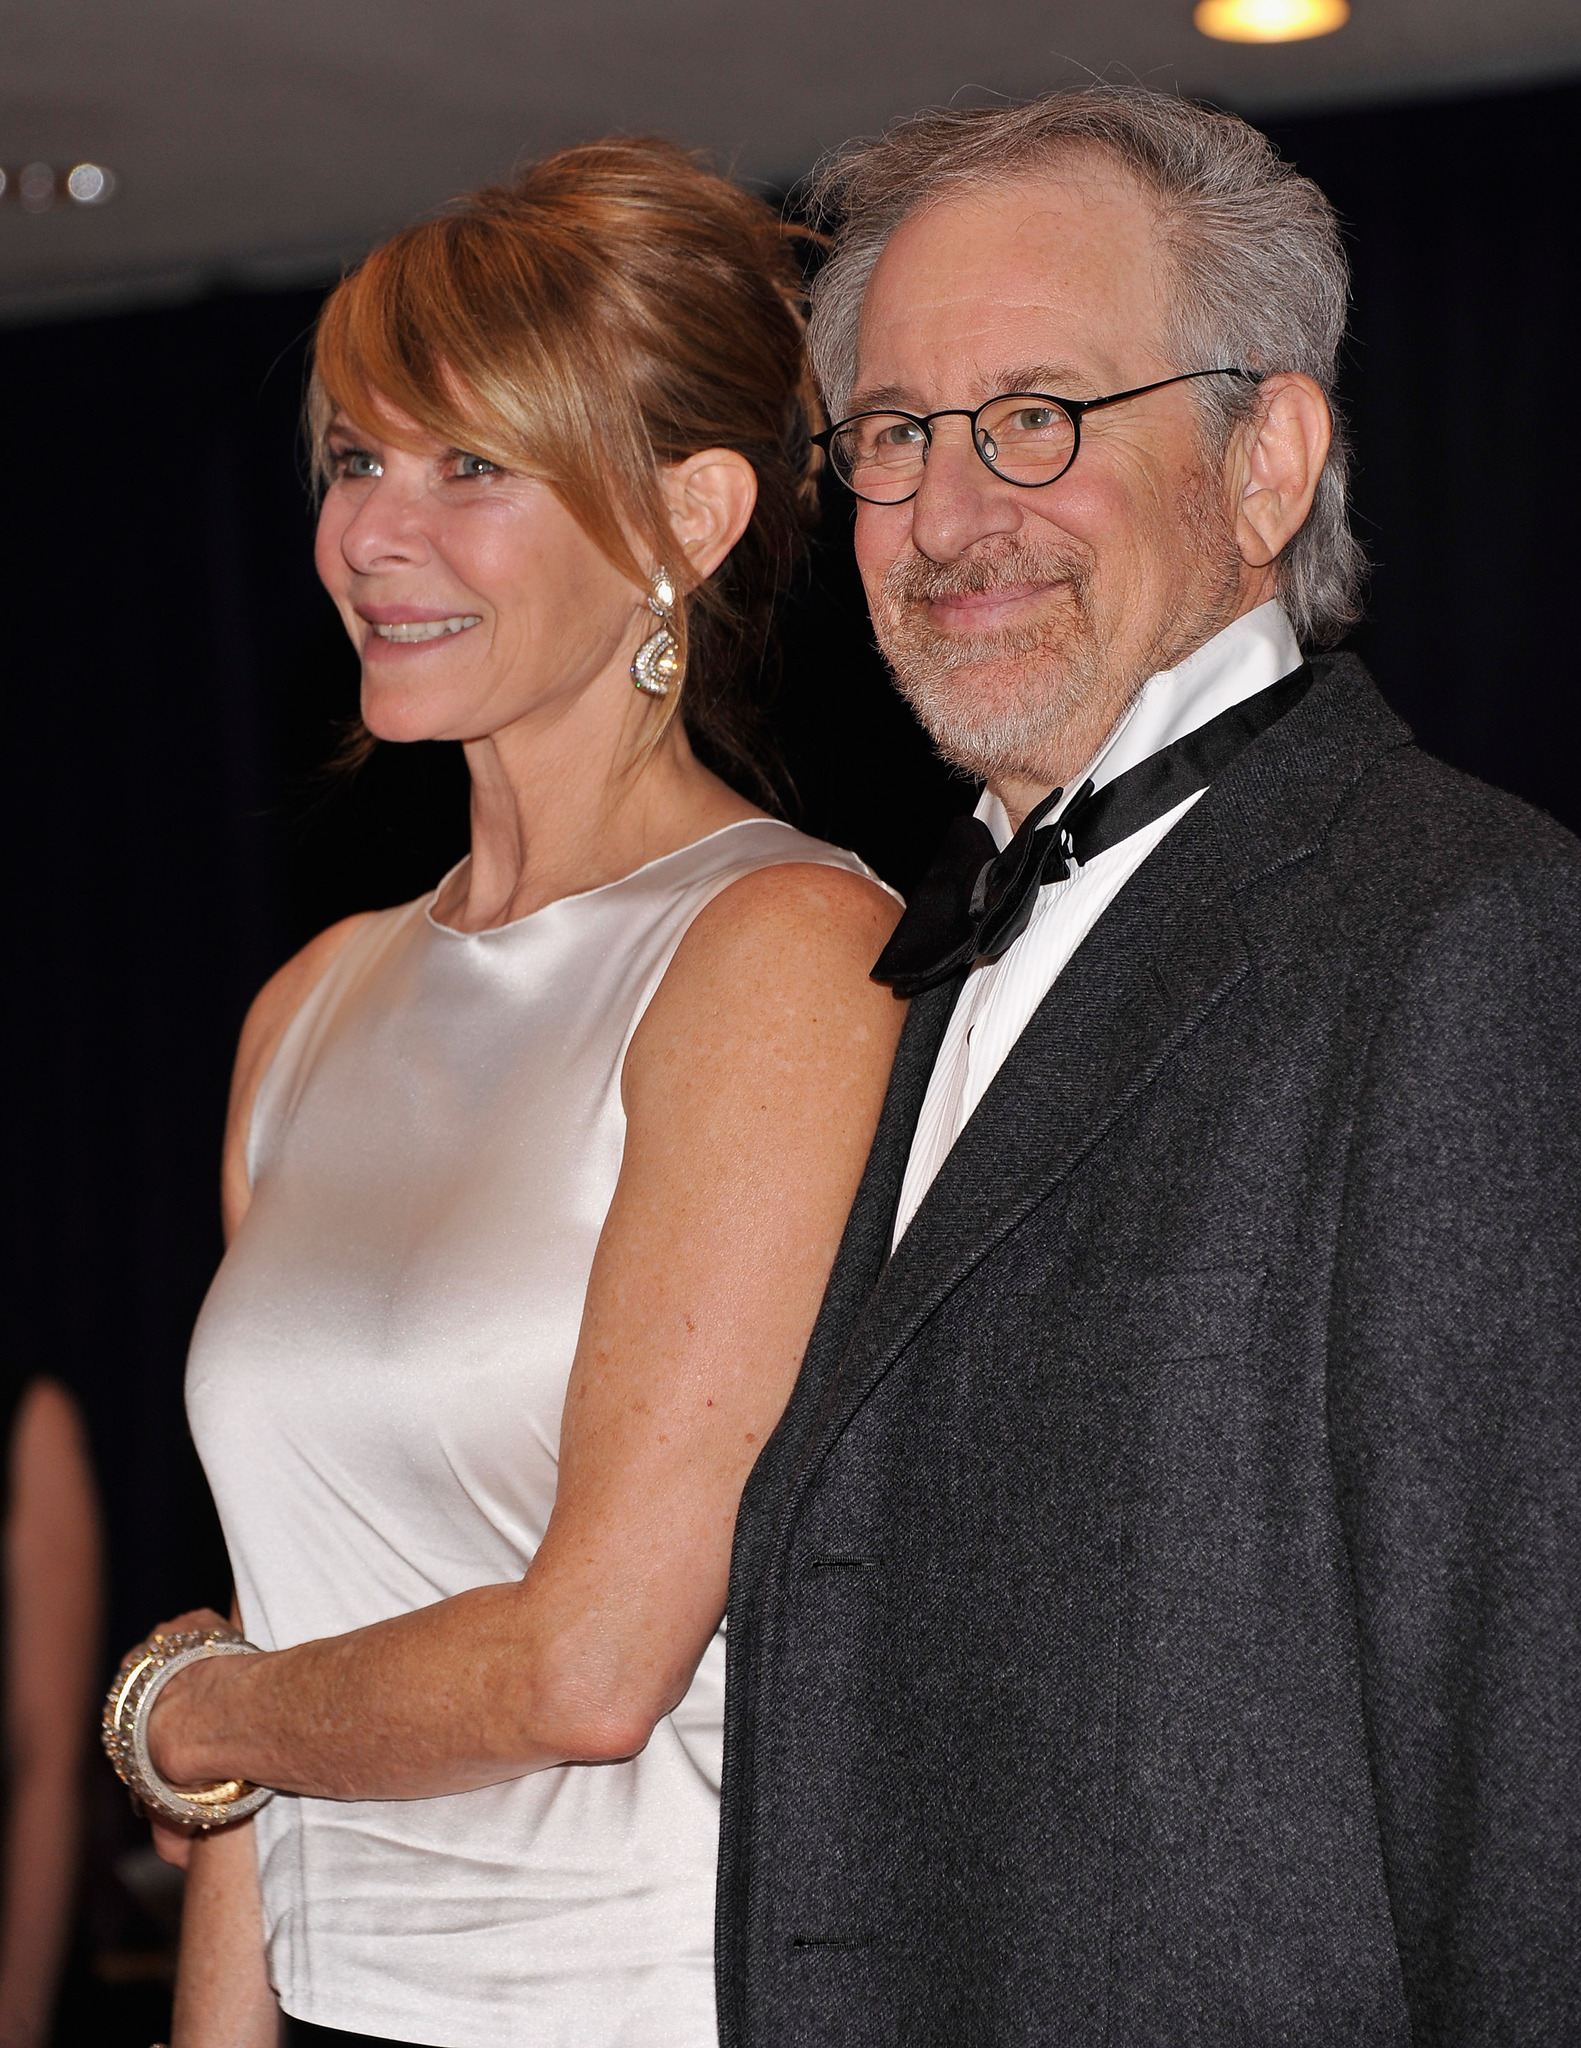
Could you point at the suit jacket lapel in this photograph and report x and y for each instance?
(1164, 954)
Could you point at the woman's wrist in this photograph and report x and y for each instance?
(169, 1782)
(183, 1717)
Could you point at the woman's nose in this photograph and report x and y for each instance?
(386, 530)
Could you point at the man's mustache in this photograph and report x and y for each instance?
(915, 579)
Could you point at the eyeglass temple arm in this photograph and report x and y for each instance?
(1086, 405)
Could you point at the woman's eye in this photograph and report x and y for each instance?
(355, 462)
(475, 465)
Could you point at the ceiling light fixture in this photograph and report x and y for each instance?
(90, 184)
(1269, 21)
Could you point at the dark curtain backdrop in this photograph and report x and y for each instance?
(173, 678)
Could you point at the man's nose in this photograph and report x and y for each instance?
(960, 501)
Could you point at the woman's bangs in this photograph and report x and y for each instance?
(387, 344)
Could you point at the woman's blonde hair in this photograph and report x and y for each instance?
(613, 310)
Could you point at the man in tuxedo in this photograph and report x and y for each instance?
(1156, 1619)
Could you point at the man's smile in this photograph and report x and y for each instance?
(974, 610)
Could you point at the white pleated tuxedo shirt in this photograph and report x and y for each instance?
(998, 1000)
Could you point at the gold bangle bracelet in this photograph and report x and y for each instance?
(145, 1672)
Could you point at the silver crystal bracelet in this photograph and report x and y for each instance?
(143, 1676)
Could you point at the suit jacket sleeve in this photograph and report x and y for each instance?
(1455, 1420)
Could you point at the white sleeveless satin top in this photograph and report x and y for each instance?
(375, 1386)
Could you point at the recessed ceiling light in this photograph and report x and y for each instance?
(90, 184)
(1270, 21)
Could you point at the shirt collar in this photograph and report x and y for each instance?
(1246, 656)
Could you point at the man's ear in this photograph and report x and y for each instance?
(709, 498)
(1282, 453)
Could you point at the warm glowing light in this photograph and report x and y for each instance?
(1270, 21)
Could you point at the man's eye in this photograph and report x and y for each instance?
(475, 465)
(355, 463)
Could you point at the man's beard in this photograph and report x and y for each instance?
(1004, 705)
(991, 702)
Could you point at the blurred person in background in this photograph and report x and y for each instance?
(531, 1186)
(53, 1611)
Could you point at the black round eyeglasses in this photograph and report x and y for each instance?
(1029, 438)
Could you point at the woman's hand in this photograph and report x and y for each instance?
(192, 1623)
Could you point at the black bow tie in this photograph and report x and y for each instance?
(975, 902)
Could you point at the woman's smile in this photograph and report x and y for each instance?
(410, 626)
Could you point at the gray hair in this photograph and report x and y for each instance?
(1261, 273)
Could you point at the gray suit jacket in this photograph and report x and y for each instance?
(1157, 1619)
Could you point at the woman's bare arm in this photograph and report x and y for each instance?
(752, 1091)
(53, 1594)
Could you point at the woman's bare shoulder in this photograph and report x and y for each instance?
(773, 970)
(267, 1022)
(820, 911)
(797, 924)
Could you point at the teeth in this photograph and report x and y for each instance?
(429, 629)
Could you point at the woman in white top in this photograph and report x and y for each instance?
(532, 1186)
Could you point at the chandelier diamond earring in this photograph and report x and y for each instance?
(657, 667)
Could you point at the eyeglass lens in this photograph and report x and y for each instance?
(881, 455)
